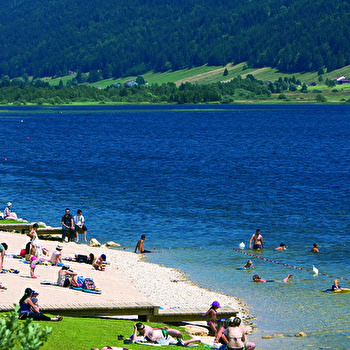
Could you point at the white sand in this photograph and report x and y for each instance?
(126, 279)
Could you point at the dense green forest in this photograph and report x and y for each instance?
(130, 37)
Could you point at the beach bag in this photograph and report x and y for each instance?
(22, 253)
(80, 280)
(89, 284)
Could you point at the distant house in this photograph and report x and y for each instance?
(99, 87)
(71, 72)
(130, 83)
(339, 78)
(343, 80)
(311, 84)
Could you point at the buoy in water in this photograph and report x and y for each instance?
(314, 270)
(241, 245)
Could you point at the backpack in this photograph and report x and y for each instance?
(89, 284)
(22, 253)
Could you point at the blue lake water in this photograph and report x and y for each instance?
(198, 180)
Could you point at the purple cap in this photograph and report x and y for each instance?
(216, 303)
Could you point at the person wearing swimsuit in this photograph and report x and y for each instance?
(236, 337)
(257, 239)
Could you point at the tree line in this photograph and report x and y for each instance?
(130, 37)
(18, 91)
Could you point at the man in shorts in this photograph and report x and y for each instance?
(257, 240)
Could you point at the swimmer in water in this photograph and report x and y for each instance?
(336, 285)
(257, 279)
(315, 248)
(248, 265)
(281, 247)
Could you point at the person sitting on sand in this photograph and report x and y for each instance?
(211, 314)
(56, 256)
(248, 265)
(3, 248)
(140, 247)
(8, 214)
(315, 248)
(162, 335)
(98, 262)
(257, 239)
(67, 277)
(256, 278)
(27, 309)
(235, 336)
(336, 285)
(282, 246)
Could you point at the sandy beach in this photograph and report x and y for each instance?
(127, 279)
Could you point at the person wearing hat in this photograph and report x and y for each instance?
(8, 214)
(98, 262)
(28, 309)
(56, 256)
(211, 314)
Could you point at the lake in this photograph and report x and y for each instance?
(198, 180)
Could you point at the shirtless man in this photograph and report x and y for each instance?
(139, 245)
(282, 246)
(315, 249)
(257, 240)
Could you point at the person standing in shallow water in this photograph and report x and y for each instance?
(257, 239)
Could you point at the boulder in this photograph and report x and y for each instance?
(94, 243)
(112, 244)
(267, 337)
(301, 334)
(196, 330)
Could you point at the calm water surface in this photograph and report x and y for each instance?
(198, 181)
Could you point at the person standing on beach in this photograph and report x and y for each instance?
(34, 240)
(3, 248)
(257, 239)
(211, 314)
(140, 247)
(67, 223)
(79, 222)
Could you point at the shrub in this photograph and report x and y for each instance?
(24, 335)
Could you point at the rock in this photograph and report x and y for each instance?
(196, 330)
(267, 337)
(94, 243)
(278, 335)
(41, 224)
(301, 334)
(112, 244)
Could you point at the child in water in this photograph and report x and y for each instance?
(211, 314)
(315, 248)
(248, 265)
(336, 285)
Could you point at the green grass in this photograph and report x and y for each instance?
(87, 333)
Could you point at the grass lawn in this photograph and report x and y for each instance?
(87, 333)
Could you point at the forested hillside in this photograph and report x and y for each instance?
(130, 37)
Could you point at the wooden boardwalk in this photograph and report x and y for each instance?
(143, 310)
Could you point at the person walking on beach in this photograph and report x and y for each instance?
(257, 239)
(315, 248)
(79, 222)
(140, 247)
(211, 314)
(3, 248)
(67, 223)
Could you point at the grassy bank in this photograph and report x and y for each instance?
(87, 333)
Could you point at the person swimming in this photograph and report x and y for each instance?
(248, 265)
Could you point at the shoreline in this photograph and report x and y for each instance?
(166, 287)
